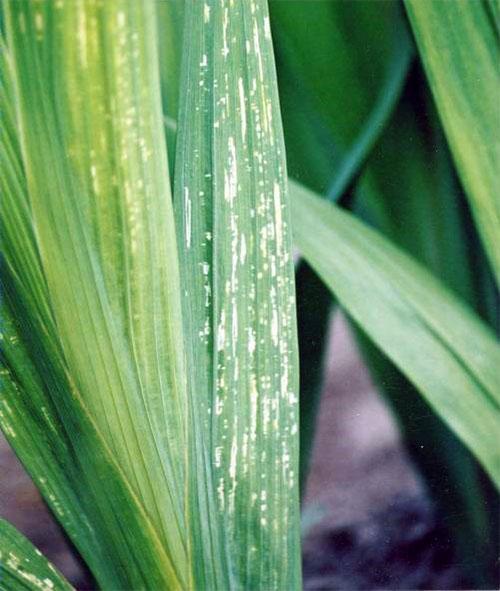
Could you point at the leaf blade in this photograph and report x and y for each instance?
(232, 214)
(23, 567)
(428, 343)
(69, 279)
(457, 40)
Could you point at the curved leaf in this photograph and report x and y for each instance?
(333, 115)
(459, 45)
(430, 335)
(342, 66)
(92, 308)
(430, 222)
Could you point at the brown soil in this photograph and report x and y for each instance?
(369, 524)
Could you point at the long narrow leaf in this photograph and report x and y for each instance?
(44, 420)
(103, 265)
(344, 63)
(235, 248)
(431, 224)
(170, 17)
(41, 411)
(22, 566)
(459, 45)
(435, 340)
(329, 137)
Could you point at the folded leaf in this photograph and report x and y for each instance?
(44, 420)
(450, 356)
(170, 16)
(459, 45)
(235, 248)
(22, 566)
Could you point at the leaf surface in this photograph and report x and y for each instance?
(342, 66)
(22, 566)
(91, 272)
(231, 204)
(459, 45)
(430, 335)
(431, 223)
(341, 69)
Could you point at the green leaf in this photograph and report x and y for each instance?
(45, 422)
(170, 16)
(342, 66)
(22, 566)
(93, 283)
(450, 356)
(458, 43)
(430, 223)
(42, 415)
(231, 204)
(332, 117)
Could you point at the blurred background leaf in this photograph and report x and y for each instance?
(336, 98)
(459, 45)
(429, 218)
(410, 315)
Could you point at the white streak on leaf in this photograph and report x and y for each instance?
(243, 249)
(275, 327)
(267, 28)
(39, 22)
(232, 174)
(234, 334)
(187, 216)
(251, 340)
(278, 220)
(225, 48)
(243, 114)
(221, 332)
(120, 19)
(218, 455)
(254, 396)
(232, 468)
(82, 38)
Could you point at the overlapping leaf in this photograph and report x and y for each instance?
(232, 212)
(344, 63)
(103, 269)
(430, 221)
(337, 95)
(437, 342)
(23, 567)
(459, 45)
(170, 18)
